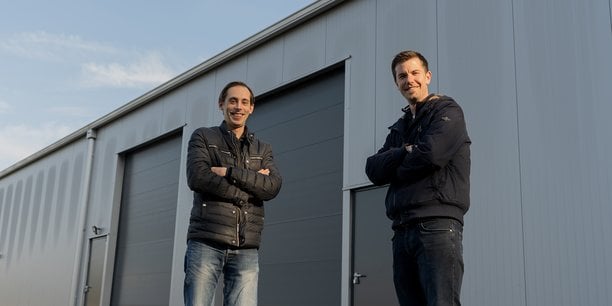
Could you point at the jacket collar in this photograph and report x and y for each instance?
(250, 137)
(419, 106)
(422, 108)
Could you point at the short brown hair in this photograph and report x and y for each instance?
(406, 55)
(229, 85)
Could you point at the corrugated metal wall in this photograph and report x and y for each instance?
(38, 229)
(533, 79)
(564, 73)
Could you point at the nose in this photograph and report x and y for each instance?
(409, 79)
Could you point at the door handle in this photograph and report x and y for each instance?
(356, 278)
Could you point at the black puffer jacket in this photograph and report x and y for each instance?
(434, 179)
(229, 210)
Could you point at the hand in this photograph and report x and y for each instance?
(220, 171)
(409, 148)
(264, 171)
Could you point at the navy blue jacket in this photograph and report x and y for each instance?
(229, 210)
(433, 180)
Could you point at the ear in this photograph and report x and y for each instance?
(428, 77)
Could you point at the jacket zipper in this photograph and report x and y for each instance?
(240, 161)
(238, 213)
(236, 149)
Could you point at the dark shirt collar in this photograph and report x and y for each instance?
(419, 105)
(245, 136)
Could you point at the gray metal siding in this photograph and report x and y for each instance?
(564, 74)
(299, 57)
(481, 77)
(350, 37)
(38, 207)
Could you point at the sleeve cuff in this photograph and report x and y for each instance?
(228, 173)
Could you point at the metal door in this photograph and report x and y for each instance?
(372, 256)
(95, 270)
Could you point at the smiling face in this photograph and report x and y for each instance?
(412, 80)
(236, 107)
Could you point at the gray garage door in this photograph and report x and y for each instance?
(301, 248)
(146, 226)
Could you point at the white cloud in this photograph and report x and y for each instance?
(20, 141)
(147, 70)
(101, 64)
(53, 47)
(4, 107)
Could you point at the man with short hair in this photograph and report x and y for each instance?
(231, 174)
(426, 162)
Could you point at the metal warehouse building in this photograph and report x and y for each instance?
(100, 217)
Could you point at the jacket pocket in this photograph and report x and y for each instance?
(254, 162)
(220, 157)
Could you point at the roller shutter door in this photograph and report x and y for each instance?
(146, 227)
(302, 240)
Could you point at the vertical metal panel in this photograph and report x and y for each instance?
(37, 194)
(563, 83)
(25, 217)
(173, 110)
(17, 217)
(201, 104)
(78, 170)
(351, 36)
(304, 50)
(264, 67)
(235, 70)
(350, 32)
(135, 128)
(476, 67)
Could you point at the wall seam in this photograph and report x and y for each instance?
(437, 50)
(520, 168)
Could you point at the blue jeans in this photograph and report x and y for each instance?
(428, 263)
(204, 264)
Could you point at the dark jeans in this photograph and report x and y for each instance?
(428, 263)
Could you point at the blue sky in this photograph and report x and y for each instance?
(65, 63)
